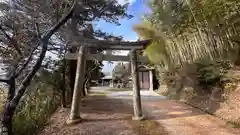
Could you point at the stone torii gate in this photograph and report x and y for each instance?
(83, 55)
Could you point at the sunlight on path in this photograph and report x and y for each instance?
(178, 118)
(181, 119)
(111, 109)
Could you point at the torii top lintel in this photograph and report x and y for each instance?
(104, 44)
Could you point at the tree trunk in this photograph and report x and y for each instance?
(64, 104)
(13, 98)
(83, 90)
(63, 87)
(72, 65)
(86, 85)
(8, 111)
(6, 120)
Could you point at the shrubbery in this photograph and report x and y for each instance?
(202, 75)
(210, 72)
(41, 100)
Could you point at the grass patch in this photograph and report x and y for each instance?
(147, 127)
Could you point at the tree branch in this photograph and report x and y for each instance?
(11, 40)
(62, 21)
(90, 73)
(20, 69)
(38, 30)
(44, 42)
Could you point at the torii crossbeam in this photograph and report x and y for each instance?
(81, 57)
(118, 45)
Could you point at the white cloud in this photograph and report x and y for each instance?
(126, 1)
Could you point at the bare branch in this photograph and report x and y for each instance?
(21, 68)
(38, 30)
(12, 41)
(44, 42)
(90, 73)
(60, 23)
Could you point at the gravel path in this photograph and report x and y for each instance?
(110, 114)
(177, 117)
(181, 119)
(102, 116)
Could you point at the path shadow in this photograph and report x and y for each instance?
(155, 108)
(101, 104)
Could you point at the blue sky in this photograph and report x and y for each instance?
(137, 9)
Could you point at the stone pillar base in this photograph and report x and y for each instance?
(74, 121)
(138, 118)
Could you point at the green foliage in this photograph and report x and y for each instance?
(210, 73)
(192, 35)
(156, 52)
(202, 76)
(19, 19)
(184, 31)
(37, 105)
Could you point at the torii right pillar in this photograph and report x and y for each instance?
(137, 106)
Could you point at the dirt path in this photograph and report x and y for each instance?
(181, 119)
(111, 115)
(102, 116)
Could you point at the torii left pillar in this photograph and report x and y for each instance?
(78, 86)
(137, 105)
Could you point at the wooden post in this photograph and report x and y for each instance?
(75, 113)
(150, 80)
(137, 107)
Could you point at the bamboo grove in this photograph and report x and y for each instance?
(184, 31)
